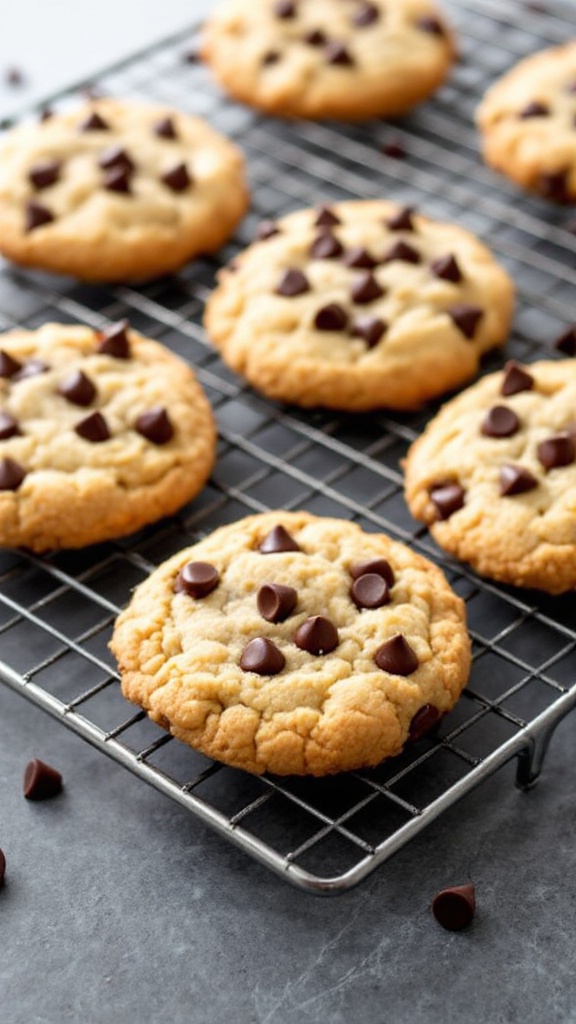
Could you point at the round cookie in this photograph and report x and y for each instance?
(117, 190)
(294, 644)
(346, 59)
(494, 476)
(359, 305)
(100, 433)
(528, 123)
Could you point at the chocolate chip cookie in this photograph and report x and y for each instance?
(101, 432)
(494, 476)
(294, 644)
(358, 305)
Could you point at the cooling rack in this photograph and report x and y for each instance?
(56, 612)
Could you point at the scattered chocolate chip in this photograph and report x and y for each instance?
(191, 56)
(271, 57)
(326, 246)
(263, 657)
(44, 173)
(396, 656)
(395, 149)
(41, 781)
(115, 156)
(370, 591)
(359, 257)
(8, 366)
(500, 421)
(369, 328)
(516, 480)
(556, 451)
(337, 53)
(317, 635)
(566, 342)
(554, 185)
(8, 426)
(375, 565)
(31, 368)
(331, 318)
(366, 288)
(14, 76)
(2, 868)
(455, 907)
(177, 178)
(365, 14)
(93, 428)
(516, 379)
(447, 499)
(37, 215)
(423, 721)
(402, 251)
(285, 9)
(431, 25)
(267, 229)
(165, 128)
(114, 340)
(77, 388)
(276, 602)
(325, 217)
(11, 475)
(534, 109)
(93, 123)
(292, 282)
(155, 425)
(45, 114)
(403, 220)
(278, 540)
(117, 179)
(447, 269)
(466, 318)
(197, 579)
(315, 37)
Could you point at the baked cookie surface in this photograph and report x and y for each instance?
(346, 59)
(494, 476)
(294, 644)
(359, 305)
(100, 433)
(528, 123)
(117, 190)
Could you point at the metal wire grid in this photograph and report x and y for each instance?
(56, 613)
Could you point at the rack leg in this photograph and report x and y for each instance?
(531, 759)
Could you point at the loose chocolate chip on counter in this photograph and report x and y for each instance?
(198, 579)
(554, 185)
(395, 149)
(455, 907)
(369, 328)
(292, 282)
(557, 451)
(516, 480)
(155, 425)
(402, 220)
(325, 217)
(165, 128)
(14, 76)
(466, 318)
(8, 366)
(45, 114)
(396, 656)
(534, 109)
(114, 340)
(93, 428)
(276, 601)
(370, 591)
(431, 25)
(317, 635)
(41, 781)
(8, 426)
(366, 14)
(191, 57)
(285, 9)
(31, 368)
(366, 288)
(423, 722)
(315, 37)
(36, 215)
(2, 868)
(11, 475)
(447, 269)
(77, 388)
(516, 379)
(267, 229)
(359, 257)
(337, 53)
(380, 566)
(402, 251)
(263, 657)
(44, 173)
(117, 179)
(278, 540)
(93, 123)
(447, 499)
(331, 318)
(115, 156)
(271, 57)
(500, 421)
(566, 342)
(177, 178)
(326, 246)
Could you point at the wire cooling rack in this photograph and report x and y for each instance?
(56, 613)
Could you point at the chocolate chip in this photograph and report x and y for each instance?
(155, 425)
(325, 217)
(36, 215)
(93, 428)
(455, 907)
(366, 14)
(317, 635)
(359, 257)
(402, 251)
(331, 318)
(44, 173)
(366, 288)
(14, 76)
(566, 342)
(431, 25)
(115, 156)
(325, 247)
(556, 451)
(403, 220)
(117, 179)
(41, 781)
(77, 388)
(554, 185)
(8, 426)
(263, 657)
(516, 379)
(93, 123)
(11, 475)
(278, 540)
(534, 109)
(466, 318)
(276, 602)
(395, 149)
(191, 57)
(370, 591)
(500, 421)
(177, 178)
(447, 269)
(114, 340)
(45, 114)
(337, 53)
(292, 282)
(165, 128)
(375, 565)
(447, 499)
(267, 229)
(369, 328)
(271, 57)
(197, 579)
(8, 365)
(423, 721)
(285, 9)
(396, 656)
(2, 868)
(31, 368)
(315, 37)
(516, 480)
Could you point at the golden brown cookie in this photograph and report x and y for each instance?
(117, 190)
(346, 59)
(294, 644)
(100, 433)
(494, 476)
(359, 305)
